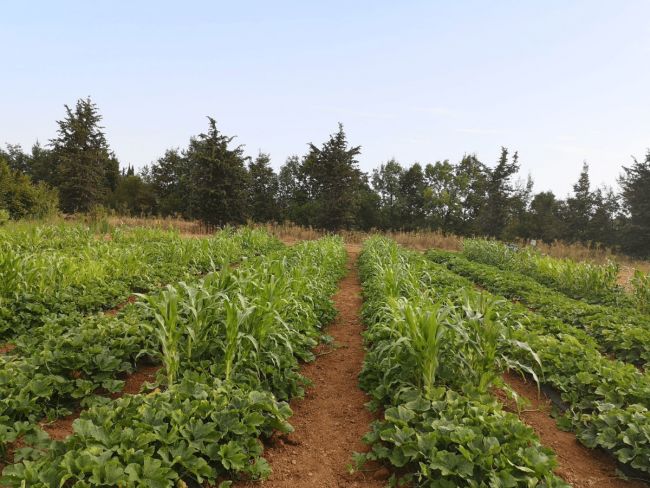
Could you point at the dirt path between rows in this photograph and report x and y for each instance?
(331, 420)
(580, 466)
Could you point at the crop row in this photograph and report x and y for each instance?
(59, 364)
(37, 287)
(230, 345)
(608, 399)
(581, 280)
(431, 366)
(619, 332)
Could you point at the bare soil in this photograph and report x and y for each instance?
(331, 420)
(580, 466)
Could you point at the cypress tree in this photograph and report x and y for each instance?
(220, 180)
(84, 158)
(635, 186)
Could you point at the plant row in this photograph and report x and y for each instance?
(230, 345)
(36, 287)
(608, 399)
(619, 332)
(431, 366)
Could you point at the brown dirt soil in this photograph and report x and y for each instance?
(114, 311)
(331, 420)
(580, 466)
(6, 348)
(62, 428)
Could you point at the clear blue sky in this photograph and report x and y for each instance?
(559, 81)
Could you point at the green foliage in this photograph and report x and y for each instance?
(20, 198)
(635, 192)
(437, 348)
(608, 399)
(620, 331)
(204, 424)
(577, 279)
(87, 169)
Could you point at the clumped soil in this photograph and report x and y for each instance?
(331, 420)
(580, 466)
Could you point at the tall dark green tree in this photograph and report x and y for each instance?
(85, 161)
(264, 190)
(411, 200)
(580, 207)
(386, 183)
(336, 181)
(171, 180)
(635, 193)
(499, 191)
(219, 177)
(547, 217)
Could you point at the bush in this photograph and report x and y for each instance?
(4, 217)
(20, 198)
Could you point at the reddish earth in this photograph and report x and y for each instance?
(331, 420)
(580, 466)
(6, 348)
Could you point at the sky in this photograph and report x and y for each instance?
(560, 82)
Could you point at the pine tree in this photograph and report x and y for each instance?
(635, 186)
(264, 190)
(386, 182)
(220, 180)
(336, 181)
(499, 192)
(580, 207)
(411, 198)
(84, 158)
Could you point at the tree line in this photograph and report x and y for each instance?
(214, 181)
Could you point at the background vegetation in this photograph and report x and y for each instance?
(213, 181)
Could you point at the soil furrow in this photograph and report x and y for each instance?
(331, 420)
(580, 466)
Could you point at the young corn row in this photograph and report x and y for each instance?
(436, 352)
(608, 400)
(581, 280)
(620, 332)
(39, 284)
(230, 344)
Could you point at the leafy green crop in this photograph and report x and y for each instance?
(437, 347)
(205, 424)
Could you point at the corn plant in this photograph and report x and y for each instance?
(168, 330)
(425, 334)
(486, 342)
(641, 290)
(237, 312)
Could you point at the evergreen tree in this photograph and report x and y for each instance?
(499, 193)
(171, 180)
(474, 194)
(447, 188)
(336, 181)
(264, 190)
(411, 198)
(84, 158)
(580, 207)
(44, 165)
(386, 183)
(635, 186)
(219, 177)
(547, 217)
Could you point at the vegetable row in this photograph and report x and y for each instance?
(436, 351)
(619, 332)
(608, 399)
(230, 345)
(38, 284)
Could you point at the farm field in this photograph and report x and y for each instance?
(153, 360)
